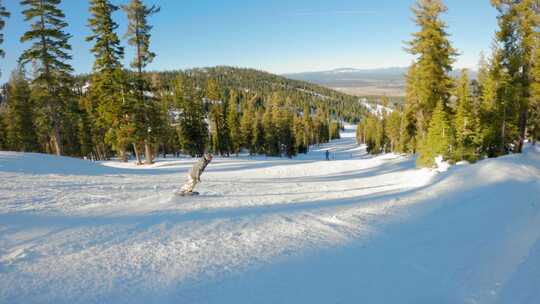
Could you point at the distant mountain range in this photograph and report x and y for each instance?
(361, 82)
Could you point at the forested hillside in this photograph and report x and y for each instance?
(118, 112)
(217, 109)
(266, 84)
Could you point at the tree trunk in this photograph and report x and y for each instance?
(137, 155)
(522, 130)
(57, 142)
(102, 152)
(503, 131)
(148, 154)
(503, 138)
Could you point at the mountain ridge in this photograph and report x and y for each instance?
(363, 82)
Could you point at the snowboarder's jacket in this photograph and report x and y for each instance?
(199, 167)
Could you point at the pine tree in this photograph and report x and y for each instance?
(505, 70)
(393, 130)
(49, 49)
(218, 119)
(465, 122)
(106, 49)
(283, 123)
(439, 139)
(108, 86)
(320, 127)
(515, 37)
(246, 128)
(233, 123)
(258, 144)
(4, 14)
(528, 12)
(70, 124)
(3, 132)
(361, 132)
(373, 134)
(308, 127)
(86, 128)
(138, 35)
(300, 134)
(409, 123)
(21, 133)
(489, 123)
(534, 106)
(192, 128)
(434, 58)
(271, 135)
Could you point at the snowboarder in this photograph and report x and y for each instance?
(194, 176)
(327, 155)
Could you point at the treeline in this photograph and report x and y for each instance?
(464, 119)
(225, 121)
(117, 111)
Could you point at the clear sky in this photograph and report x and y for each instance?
(279, 36)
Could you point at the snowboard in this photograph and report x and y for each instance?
(194, 193)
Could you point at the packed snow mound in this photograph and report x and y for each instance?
(358, 229)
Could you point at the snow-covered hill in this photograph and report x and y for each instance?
(358, 229)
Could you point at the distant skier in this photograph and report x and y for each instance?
(194, 176)
(327, 155)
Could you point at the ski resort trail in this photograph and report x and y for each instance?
(356, 229)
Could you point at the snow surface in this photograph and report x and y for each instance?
(375, 109)
(359, 229)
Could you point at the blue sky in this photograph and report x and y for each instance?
(279, 36)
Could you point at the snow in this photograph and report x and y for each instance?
(375, 109)
(321, 96)
(442, 165)
(359, 229)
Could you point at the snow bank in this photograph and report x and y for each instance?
(37, 163)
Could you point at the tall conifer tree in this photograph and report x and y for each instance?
(246, 127)
(534, 106)
(218, 118)
(434, 58)
(466, 124)
(259, 136)
(107, 89)
(139, 35)
(49, 49)
(506, 70)
(528, 14)
(192, 128)
(271, 135)
(518, 24)
(233, 123)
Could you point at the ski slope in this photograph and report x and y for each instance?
(357, 229)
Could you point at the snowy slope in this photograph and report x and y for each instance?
(375, 109)
(358, 229)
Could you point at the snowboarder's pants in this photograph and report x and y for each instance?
(189, 185)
